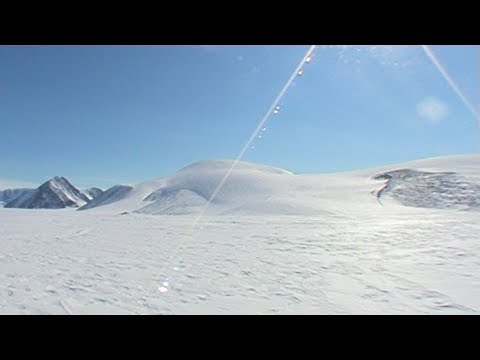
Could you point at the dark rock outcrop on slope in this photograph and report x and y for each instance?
(440, 190)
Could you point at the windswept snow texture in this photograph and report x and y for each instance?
(56, 193)
(274, 243)
(440, 190)
(8, 195)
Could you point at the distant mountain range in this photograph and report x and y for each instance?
(451, 182)
(10, 194)
(56, 193)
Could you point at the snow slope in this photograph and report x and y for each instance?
(250, 189)
(189, 189)
(114, 194)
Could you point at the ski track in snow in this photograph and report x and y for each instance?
(395, 261)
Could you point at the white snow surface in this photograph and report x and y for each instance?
(272, 242)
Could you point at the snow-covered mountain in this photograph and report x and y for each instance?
(8, 195)
(92, 193)
(113, 194)
(53, 194)
(446, 182)
(249, 188)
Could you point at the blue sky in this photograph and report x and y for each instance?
(102, 115)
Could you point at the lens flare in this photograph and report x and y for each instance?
(443, 70)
